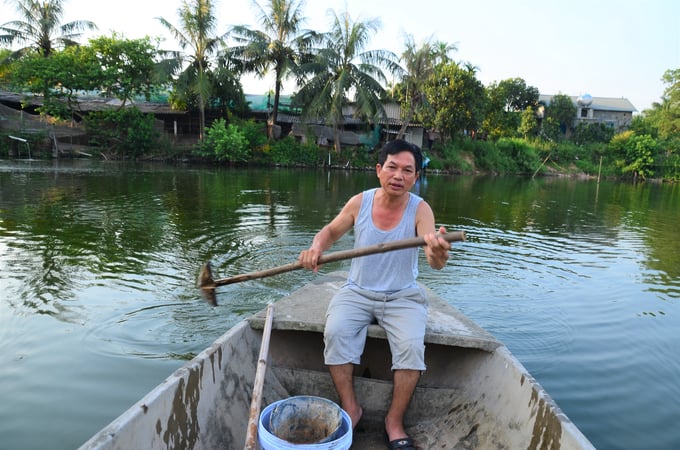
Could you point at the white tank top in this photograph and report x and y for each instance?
(389, 271)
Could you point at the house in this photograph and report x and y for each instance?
(614, 112)
(179, 123)
(355, 131)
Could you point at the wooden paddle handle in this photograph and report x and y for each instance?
(256, 400)
(453, 236)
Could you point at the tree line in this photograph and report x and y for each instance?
(491, 128)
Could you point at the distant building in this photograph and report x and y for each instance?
(354, 131)
(614, 112)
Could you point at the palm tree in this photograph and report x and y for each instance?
(344, 67)
(418, 63)
(280, 46)
(441, 52)
(196, 32)
(41, 28)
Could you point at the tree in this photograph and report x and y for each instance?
(499, 121)
(116, 67)
(517, 95)
(196, 32)
(669, 110)
(441, 51)
(419, 65)
(5, 70)
(41, 28)
(585, 133)
(506, 102)
(124, 133)
(635, 154)
(662, 122)
(280, 46)
(56, 78)
(529, 123)
(127, 67)
(563, 111)
(227, 88)
(456, 99)
(343, 67)
(641, 124)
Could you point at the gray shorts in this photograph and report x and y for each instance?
(402, 314)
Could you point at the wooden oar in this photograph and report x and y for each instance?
(208, 285)
(256, 399)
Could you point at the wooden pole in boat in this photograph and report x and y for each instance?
(256, 400)
(208, 285)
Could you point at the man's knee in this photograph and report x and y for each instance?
(408, 354)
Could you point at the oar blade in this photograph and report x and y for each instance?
(207, 285)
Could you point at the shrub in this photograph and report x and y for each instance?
(670, 167)
(519, 156)
(634, 154)
(358, 157)
(568, 153)
(127, 132)
(225, 142)
(254, 132)
(668, 158)
(452, 157)
(640, 156)
(288, 151)
(592, 132)
(489, 157)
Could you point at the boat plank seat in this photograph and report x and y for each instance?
(305, 310)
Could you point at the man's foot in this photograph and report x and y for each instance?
(394, 430)
(405, 443)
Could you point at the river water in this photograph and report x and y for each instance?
(98, 301)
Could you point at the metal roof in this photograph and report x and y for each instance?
(598, 103)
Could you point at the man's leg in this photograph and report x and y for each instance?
(347, 320)
(404, 320)
(342, 376)
(405, 382)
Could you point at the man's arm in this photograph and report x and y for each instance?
(324, 239)
(437, 249)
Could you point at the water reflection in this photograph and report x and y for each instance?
(68, 230)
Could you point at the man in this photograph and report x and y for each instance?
(382, 287)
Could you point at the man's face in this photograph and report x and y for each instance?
(398, 174)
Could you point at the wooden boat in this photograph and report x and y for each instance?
(474, 394)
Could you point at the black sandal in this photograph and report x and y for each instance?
(400, 444)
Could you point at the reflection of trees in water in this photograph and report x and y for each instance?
(579, 217)
(78, 231)
(120, 229)
(152, 229)
(651, 214)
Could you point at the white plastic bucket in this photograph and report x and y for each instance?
(341, 440)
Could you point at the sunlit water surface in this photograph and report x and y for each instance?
(98, 264)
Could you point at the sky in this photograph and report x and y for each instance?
(605, 48)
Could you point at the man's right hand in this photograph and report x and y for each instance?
(310, 259)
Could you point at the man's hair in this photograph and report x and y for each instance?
(398, 146)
